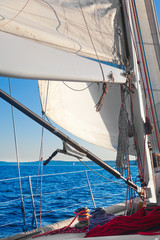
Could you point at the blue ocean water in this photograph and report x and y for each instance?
(62, 194)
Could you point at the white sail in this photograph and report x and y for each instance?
(74, 110)
(33, 31)
(66, 41)
(74, 26)
(39, 31)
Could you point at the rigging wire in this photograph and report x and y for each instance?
(146, 72)
(100, 174)
(17, 157)
(15, 15)
(40, 167)
(41, 153)
(91, 168)
(41, 158)
(145, 79)
(145, 68)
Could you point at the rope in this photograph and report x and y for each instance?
(148, 80)
(141, 171)
(61, 230)
(77, 90)
(15, 15)
(100, 103)
(145, 68)
(99, 217)
(17, 157)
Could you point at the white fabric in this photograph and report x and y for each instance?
(28, 59)
(60, 24)
(75, 111)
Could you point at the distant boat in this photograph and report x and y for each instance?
(97, 64)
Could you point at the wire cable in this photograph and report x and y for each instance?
(100, 174)
(17, 157)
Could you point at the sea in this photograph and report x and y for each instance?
(45, 195)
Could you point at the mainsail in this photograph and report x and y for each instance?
(68, 25)
(83, 28)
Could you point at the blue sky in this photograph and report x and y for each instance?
(28, 132)
(157, 5)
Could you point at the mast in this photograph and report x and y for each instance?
(140, 107)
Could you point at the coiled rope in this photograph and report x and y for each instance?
(66, 229)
